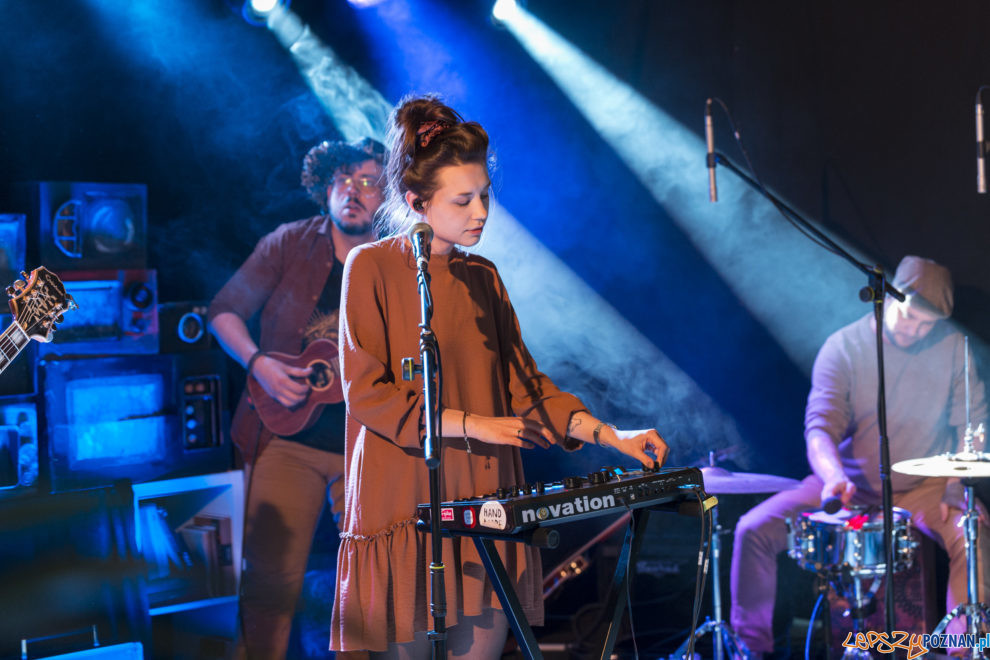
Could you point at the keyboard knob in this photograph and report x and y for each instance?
(573, 482)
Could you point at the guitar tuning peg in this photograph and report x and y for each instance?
(59, 318)
(11, 292)
(24, 275)
(19, 284)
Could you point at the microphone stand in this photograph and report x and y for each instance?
(429, 352)
(875, 290)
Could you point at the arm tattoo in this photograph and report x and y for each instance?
(572, 425)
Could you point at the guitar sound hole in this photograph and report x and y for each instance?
(322, 375)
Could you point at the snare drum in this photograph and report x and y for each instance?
(849, 540)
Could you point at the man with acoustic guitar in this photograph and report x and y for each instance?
(289, 426)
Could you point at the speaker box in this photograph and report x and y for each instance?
(75, 225)
(182, 327)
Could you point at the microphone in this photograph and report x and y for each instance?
(420, 235)
(710, 159)
(981, 175)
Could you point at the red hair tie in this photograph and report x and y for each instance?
(430, 130)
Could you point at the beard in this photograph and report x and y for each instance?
(353, 228)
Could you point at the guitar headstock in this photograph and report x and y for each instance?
(38, 302)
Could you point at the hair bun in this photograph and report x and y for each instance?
(424, 136)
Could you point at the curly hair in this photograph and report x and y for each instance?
(327, 158)
(424, 136)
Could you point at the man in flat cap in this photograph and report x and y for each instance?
(926, 416)
(293, 278)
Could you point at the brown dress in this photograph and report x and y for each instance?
(383, 563)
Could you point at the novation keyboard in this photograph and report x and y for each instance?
(518, 509)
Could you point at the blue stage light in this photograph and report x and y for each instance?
(256, 12)
(263, 6)
(504, 9)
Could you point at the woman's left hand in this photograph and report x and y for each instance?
(636, 444)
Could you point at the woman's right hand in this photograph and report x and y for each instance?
(281, 381)
(513, 431)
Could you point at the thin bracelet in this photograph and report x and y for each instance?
(467, 443)
(598, 430)
(253, 359)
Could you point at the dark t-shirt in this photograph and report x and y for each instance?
(328, 431)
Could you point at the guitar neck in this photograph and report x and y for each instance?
(12, 342)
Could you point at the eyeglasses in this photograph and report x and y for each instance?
(365, 186)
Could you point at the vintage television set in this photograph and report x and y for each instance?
(85, 226)
(117, 314)
(140, 418)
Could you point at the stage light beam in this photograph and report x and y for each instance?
(356, 107)
(787, 283)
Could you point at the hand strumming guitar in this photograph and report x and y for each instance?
(280, 380)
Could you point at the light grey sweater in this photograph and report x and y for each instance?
(926, 404)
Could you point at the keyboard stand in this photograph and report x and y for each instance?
(616, 603)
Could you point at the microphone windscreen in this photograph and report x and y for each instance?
(421, 228)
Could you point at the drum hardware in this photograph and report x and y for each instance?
(721, 481)
(862, 604)
(844, 550)
(970, 464)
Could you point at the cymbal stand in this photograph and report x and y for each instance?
(977, 614)
(727, 643)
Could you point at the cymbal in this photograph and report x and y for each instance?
(719, 481)
(946, 465)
